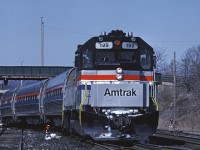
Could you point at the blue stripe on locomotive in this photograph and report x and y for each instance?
(82, 87)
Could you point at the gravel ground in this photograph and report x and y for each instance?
(35, 140)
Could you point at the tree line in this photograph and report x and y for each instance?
(188, 69)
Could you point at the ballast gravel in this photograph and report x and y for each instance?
(39, 140)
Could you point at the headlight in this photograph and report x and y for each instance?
(119, 70)
(119, 76)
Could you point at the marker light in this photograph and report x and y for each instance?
(100, 38)
(130, 34)
(103, 33)
(133, 39)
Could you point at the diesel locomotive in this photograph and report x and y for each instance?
(110, 93)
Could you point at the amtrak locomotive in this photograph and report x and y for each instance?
(110, 93)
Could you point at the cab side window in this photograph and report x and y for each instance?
(145, 59)
(87, 59)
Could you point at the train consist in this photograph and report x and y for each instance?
(108, 94)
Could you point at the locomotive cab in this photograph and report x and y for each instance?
(106, 53)
(115, 75)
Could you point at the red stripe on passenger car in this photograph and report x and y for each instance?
(27, 95)
(6, 99)
(53, 88)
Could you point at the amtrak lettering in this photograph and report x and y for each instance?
(120, 92)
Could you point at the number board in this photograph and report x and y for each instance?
(104, 45)
(129, 45)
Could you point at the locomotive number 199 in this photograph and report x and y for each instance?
(104, 45)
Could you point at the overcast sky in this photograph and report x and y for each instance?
(173, 25)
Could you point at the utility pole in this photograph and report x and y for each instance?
(174, 72)
(42, 42)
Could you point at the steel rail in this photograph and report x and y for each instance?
(21, 140)
(191, 140)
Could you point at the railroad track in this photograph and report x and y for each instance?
(105, 146)
(11, 138)
(181, 138)
(163, 139)
(135, 147)
(155, 147)
(2, 131)
(178, 133)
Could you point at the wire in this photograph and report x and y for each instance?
(72, 32)
(87, 34)
(176, 41)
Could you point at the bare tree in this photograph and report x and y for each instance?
(190, 67)
(188, 89)
(161, 60)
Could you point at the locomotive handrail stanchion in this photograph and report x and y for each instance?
(155, 102)
(63, 112)
(154, 88)
(153, 96)
(82, 102)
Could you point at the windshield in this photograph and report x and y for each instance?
(110, 59)
(102, 56)
(115, 56)
(128, 56)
